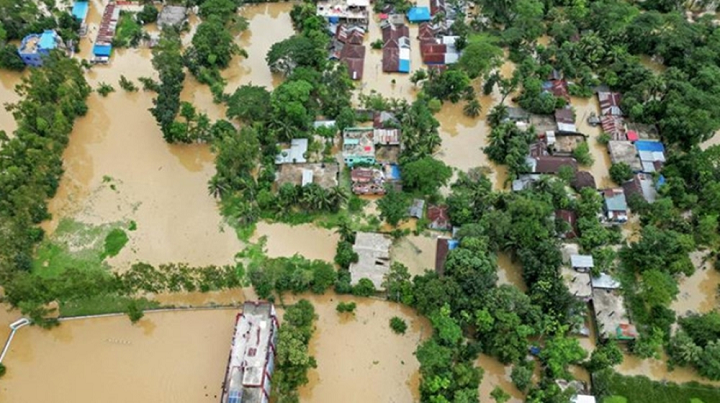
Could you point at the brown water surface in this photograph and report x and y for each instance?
(307, 240)
(8, 81)
(600, 168)
(359, 358)
(496, 374)
(699, 292)
(173, 357)
(417, 252)
(510, 272)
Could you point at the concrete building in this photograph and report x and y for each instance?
(582, 263)
(577, 283)
(367, 181)
(358, 146)
(252, 355)
(611, 315)
(624, 151)
(35, 47)
(171, 16)
(293, 155)
(324, 175)
(615, 205)
(373, 263)
(355, 12)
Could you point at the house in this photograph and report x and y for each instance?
(418, 14)
(347, 34)
(80, 11)
(373, 263)
(444, 246)
(358, 146)
(293, 155)
(641, 185)
(615, 127)
(382, 120)
(102, 49)
(438, 217)
(583, 399)
(171, 16)
(565, 119)
(583, 180)
(517, 115)
(367, 181)
(439, 51)
(577, 283)
(394, 32)
(564, 143)
(538, 149)
(570, 218)
(354, 58)
(624, 151)
(387, 137)
(35, 47)
(323, 174)
(550, 164)
(524, 181)
(559, 88)
(355, 12)
(609, 103)
(252, 355)
(437, 7)
(582, 263)
(427, 32)
(542, 123)
(615, 205)
(417, 208)
(609, 307)
(396, 48)
(651, 154)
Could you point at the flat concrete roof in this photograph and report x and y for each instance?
(624, 151)
(610, 311)
(582, 261)
(294, 154)
(578, 283)
(373, 251)
(323, 174)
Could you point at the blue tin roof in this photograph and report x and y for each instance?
(453, 243)
(47, 40)
(102, 50)
(653, 146)
(419, 14)
(80, 10)
(404, 66)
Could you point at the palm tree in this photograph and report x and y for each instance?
(472, 108)
(216, 186)
(345, 231)
(497, 115)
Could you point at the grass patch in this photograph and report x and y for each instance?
(129, 31)
(640, 389)
(74, 244)
(132, 226)
(114, 242)
(102, 304)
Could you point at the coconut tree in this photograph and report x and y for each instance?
(472, 108)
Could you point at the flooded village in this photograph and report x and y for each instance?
(119, 174)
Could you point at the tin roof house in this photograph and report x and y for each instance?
(396, 48)
(35, 47)
(358, 146)
(610, 103)
(615, 205)
(356, 12)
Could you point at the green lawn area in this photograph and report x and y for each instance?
(101, 304)
(79, 245)
(640, 389)
(127, 30)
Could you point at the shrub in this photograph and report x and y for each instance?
(378, 44)
(346, 307)
(620, 173)
(114, 242)
(345, 255)
(364, 288)
(3, 369)
(127, 85)
(604, 138)
(398, 325)
(104, 89)
(134, 311)
(582, 154)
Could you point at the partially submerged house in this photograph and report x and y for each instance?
(367, 181)
(79, 12)
(34, 48)
(615, 205)
(348, 47)
(550, 164)
(443, 247)
(396, 48)
(569, 217)
(252, 355)
(564, 143)
(624, 151)
(558, 88)
(651, 154)
(373, 263)
(172, 16)
(102, 49)
(641, 185)
(609, 103)
(355, 12)
(615, 127)
(358, 146)
(565, 119)
(517, 115)
(583, 180)
(524, 181)
(419, 14)
(439, 51)
(610, 313)
(438, 217)
(417, 209)
(295, 154)
(323, 174)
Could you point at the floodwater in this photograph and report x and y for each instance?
(307, 240)
(173, 357)
(601, 167)
(417, 252)
(8, 81)
(698, 293)
(359, 358)
(510, 272)
(163, 188)
(657, 370)
(496, 374)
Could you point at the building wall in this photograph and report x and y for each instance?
(353, 159)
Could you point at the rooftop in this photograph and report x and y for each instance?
(438, 216)
(444, 246)
(624, 151)
(614, 126)
(367, 181)
(615, 200)
(570, 218)
(643, 131)
(171, 16)
(349, 10)
(373, 263)
(610, 103)
(582, 180)
(641, 185)
(518, 114)
(358, 141)
(417, 208)
(80, 10)
(566, 143)
(294, 154)
(581, 261)
(44, 42)
(577, 283)
(610, 312)
(605, 281)
(550, 164)
(323, 174)
(250, 353)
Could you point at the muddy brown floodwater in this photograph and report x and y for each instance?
(307, 240)
(162, 187)
(359, 358)
(8, 81)
(601, 167)
(698, 293)
(417, 252)
(496, 374)
(173, 357)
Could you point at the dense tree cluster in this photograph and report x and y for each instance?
(167, 60)
(293, 359)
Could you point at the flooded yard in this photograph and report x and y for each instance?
(496, 374)
(600, 169)
(359, 358)
(699, 292)
(307, 240)
(8, 81)
(417, 252)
